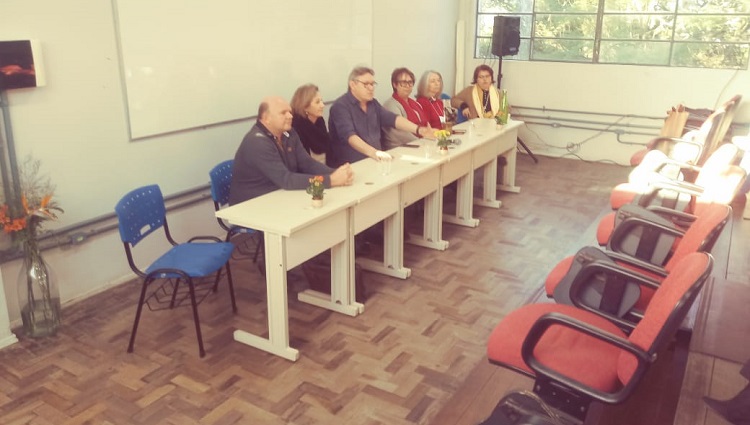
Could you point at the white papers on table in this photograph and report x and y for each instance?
(412, 158)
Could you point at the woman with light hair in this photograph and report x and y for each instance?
(307, 110)
(429, 90)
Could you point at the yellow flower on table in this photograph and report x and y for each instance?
(442, 138)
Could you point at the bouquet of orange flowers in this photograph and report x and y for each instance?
(36, 205)
(315, 188)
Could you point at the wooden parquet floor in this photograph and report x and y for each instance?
(399, 363)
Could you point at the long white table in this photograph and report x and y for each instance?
(295, 231)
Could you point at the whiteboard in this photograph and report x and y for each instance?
(192, 63)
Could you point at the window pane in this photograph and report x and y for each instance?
(485, 24)
(714, 6)
(637, 27)
(634, 52)
(484, 48)
(713, 28)
(565, 26)
(630, 6)
(525, 29)
(563, 50)
(523, 50)
(711, 55)
(566, 5)
(504, 6)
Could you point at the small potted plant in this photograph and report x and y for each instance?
(442, 140)
(315, 189)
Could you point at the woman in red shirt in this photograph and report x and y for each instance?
(401, 103)
(428, 95)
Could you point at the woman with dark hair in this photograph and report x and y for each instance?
(481, 98)
(429, 90)
(307, 110)
(400, 103)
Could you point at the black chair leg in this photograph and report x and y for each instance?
(175, 287)
(216, 281)
(138, 314)
(231, 288)
(196, 319)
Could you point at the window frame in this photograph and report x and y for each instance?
(530, 18)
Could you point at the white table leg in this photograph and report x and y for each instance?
(278, 310)
(393, 249)
(509, 169)
(489, 186)
(342, 298)
(464, 203)
(433, 224)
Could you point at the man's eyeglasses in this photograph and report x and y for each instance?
(405, 83)
(368, 85)
(484, 77)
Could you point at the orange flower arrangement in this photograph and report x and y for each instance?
(31, 215)
(36, 205)
(316, 187)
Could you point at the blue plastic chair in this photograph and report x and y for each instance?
(140, 213)
(221, 179)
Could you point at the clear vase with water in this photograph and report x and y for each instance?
(38, 293)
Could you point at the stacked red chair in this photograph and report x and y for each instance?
(695, 145)
(579, 355)
(718, 181)
(699, 237)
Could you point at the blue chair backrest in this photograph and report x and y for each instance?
(444, 96)
(221, 179)
(140, 212)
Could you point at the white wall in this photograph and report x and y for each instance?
(617, 89)
(419, 35)
(77, 124)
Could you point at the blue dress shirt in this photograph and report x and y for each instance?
(347, 119)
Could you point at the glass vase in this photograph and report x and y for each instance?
(504, 112)
(38, 294)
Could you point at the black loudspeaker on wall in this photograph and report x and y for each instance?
(506, 35)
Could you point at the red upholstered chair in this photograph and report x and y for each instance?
(644, 242)
(674, 126)
(730, 107)
(578, 356)
(695, 146)
(699, 237)
(718, 181)
(650, 186)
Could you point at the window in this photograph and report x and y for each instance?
(681, 33)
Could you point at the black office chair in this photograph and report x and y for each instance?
(221, 179)
(140, 213)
